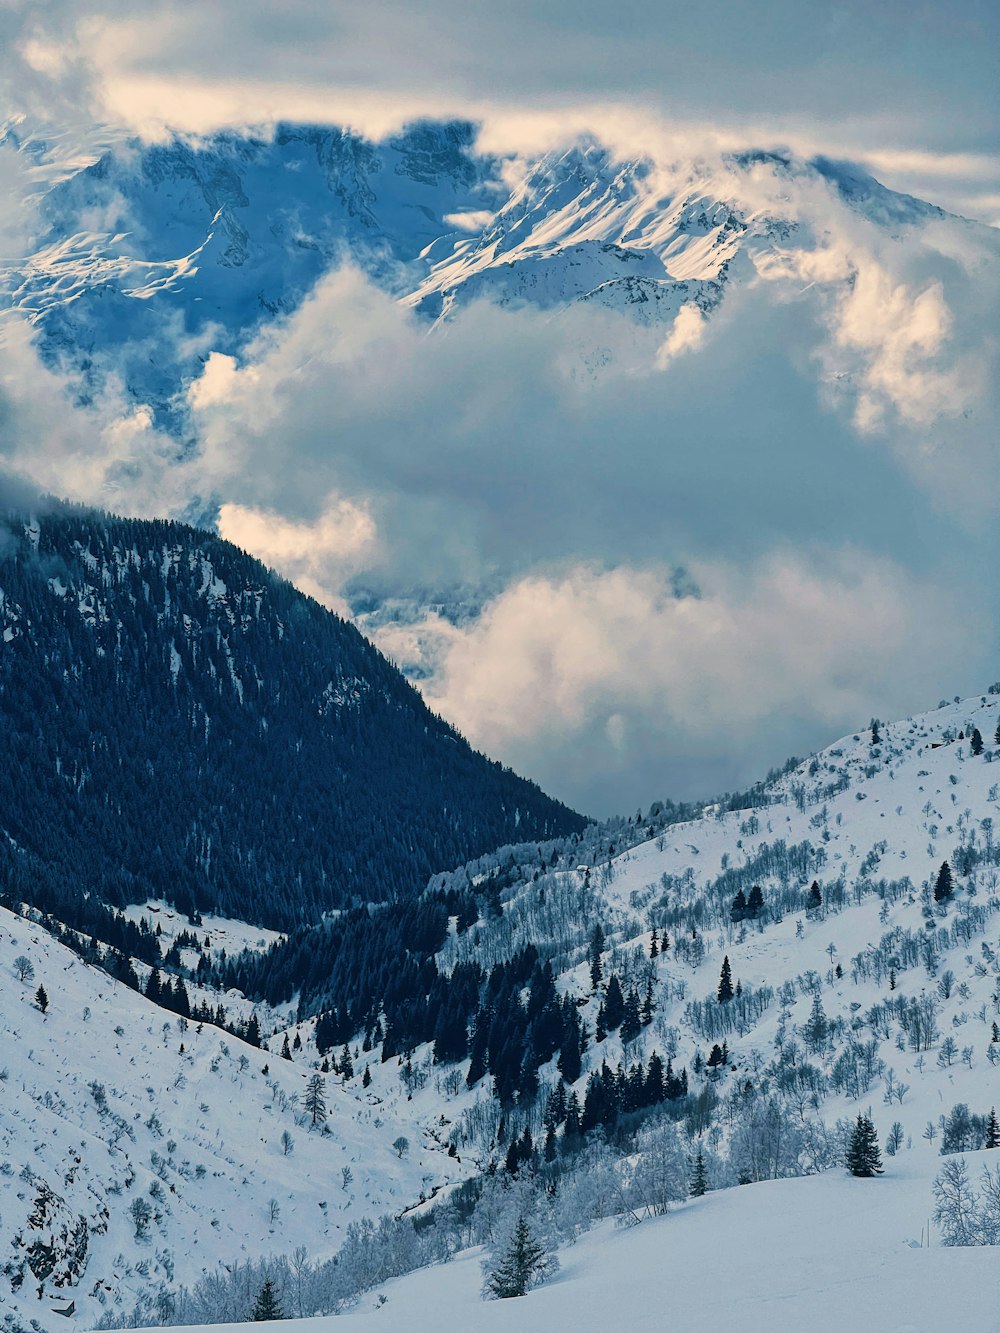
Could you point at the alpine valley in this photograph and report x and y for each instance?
(265, 1077)
(309, 1009)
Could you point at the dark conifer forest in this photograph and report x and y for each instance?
(180, 723)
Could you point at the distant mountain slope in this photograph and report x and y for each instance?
(155, 254)
(180, 723)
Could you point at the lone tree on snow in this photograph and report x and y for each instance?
(315, 1102)
(522, 1265)
(863, 1158)
(944, 886)
(699, 1177)
(725, 982)
(41, 999)
(24, 968)
(267, 1306)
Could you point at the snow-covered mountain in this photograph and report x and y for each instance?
(860, 985)
(144, 261)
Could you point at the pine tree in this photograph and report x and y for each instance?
(41, 999)
(596, 949)
(992, 1130)
(286, 1053)
(875, 724)
(816, 1027)
(755, 902)
(520, 1265)
(631, 1024)
(648, 1005)
(944, 886)
(976, 742)
(725, 993)
(815, 897)
(614, 1004)
(654, 944)
(314, 1101)
(863, 1158)
(738, 910)
(699, 1178)
(267, 1306)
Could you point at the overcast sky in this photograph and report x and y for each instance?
(842, 542)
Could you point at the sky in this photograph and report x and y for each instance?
(743, 537)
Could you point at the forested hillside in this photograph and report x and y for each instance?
(180, 723)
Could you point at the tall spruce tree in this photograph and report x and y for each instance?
(699, 1177)
(944, 886)
(267, 1306)
(725, 993)
(863, 1158)
(520, 1266)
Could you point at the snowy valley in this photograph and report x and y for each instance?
(144, 1151)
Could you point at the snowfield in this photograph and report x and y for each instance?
(824, 1254)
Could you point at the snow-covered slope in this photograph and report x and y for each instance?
(149, 258)
(826, 1254)
(108, 1101)
(908, 988)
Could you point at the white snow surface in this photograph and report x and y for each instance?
(209, 1129)
(827, 1254)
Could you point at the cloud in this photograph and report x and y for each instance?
(911, 89)
(556, 472)
(317, 556)
(686, 333)
(602, 669)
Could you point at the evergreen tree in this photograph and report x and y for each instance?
(992, 1130)
(699, 1177)
(944, 886)
(648, 1005)
(863, 1158)
(725, 992)
(654, 944)
(631, 1024)
(41, 999)
(520, 1266)
(976, 742)
(876, 737)
(286, 1052)
(738, 910)
(314, 1101)
(816, 1027)
(755, 902)
(596, 949)
(814, 899)
(614, 1004)
(267, 1306)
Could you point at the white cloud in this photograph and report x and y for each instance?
(317, 556)
(606, 668)
(686, 333)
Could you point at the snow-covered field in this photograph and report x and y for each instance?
(825, 1254)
